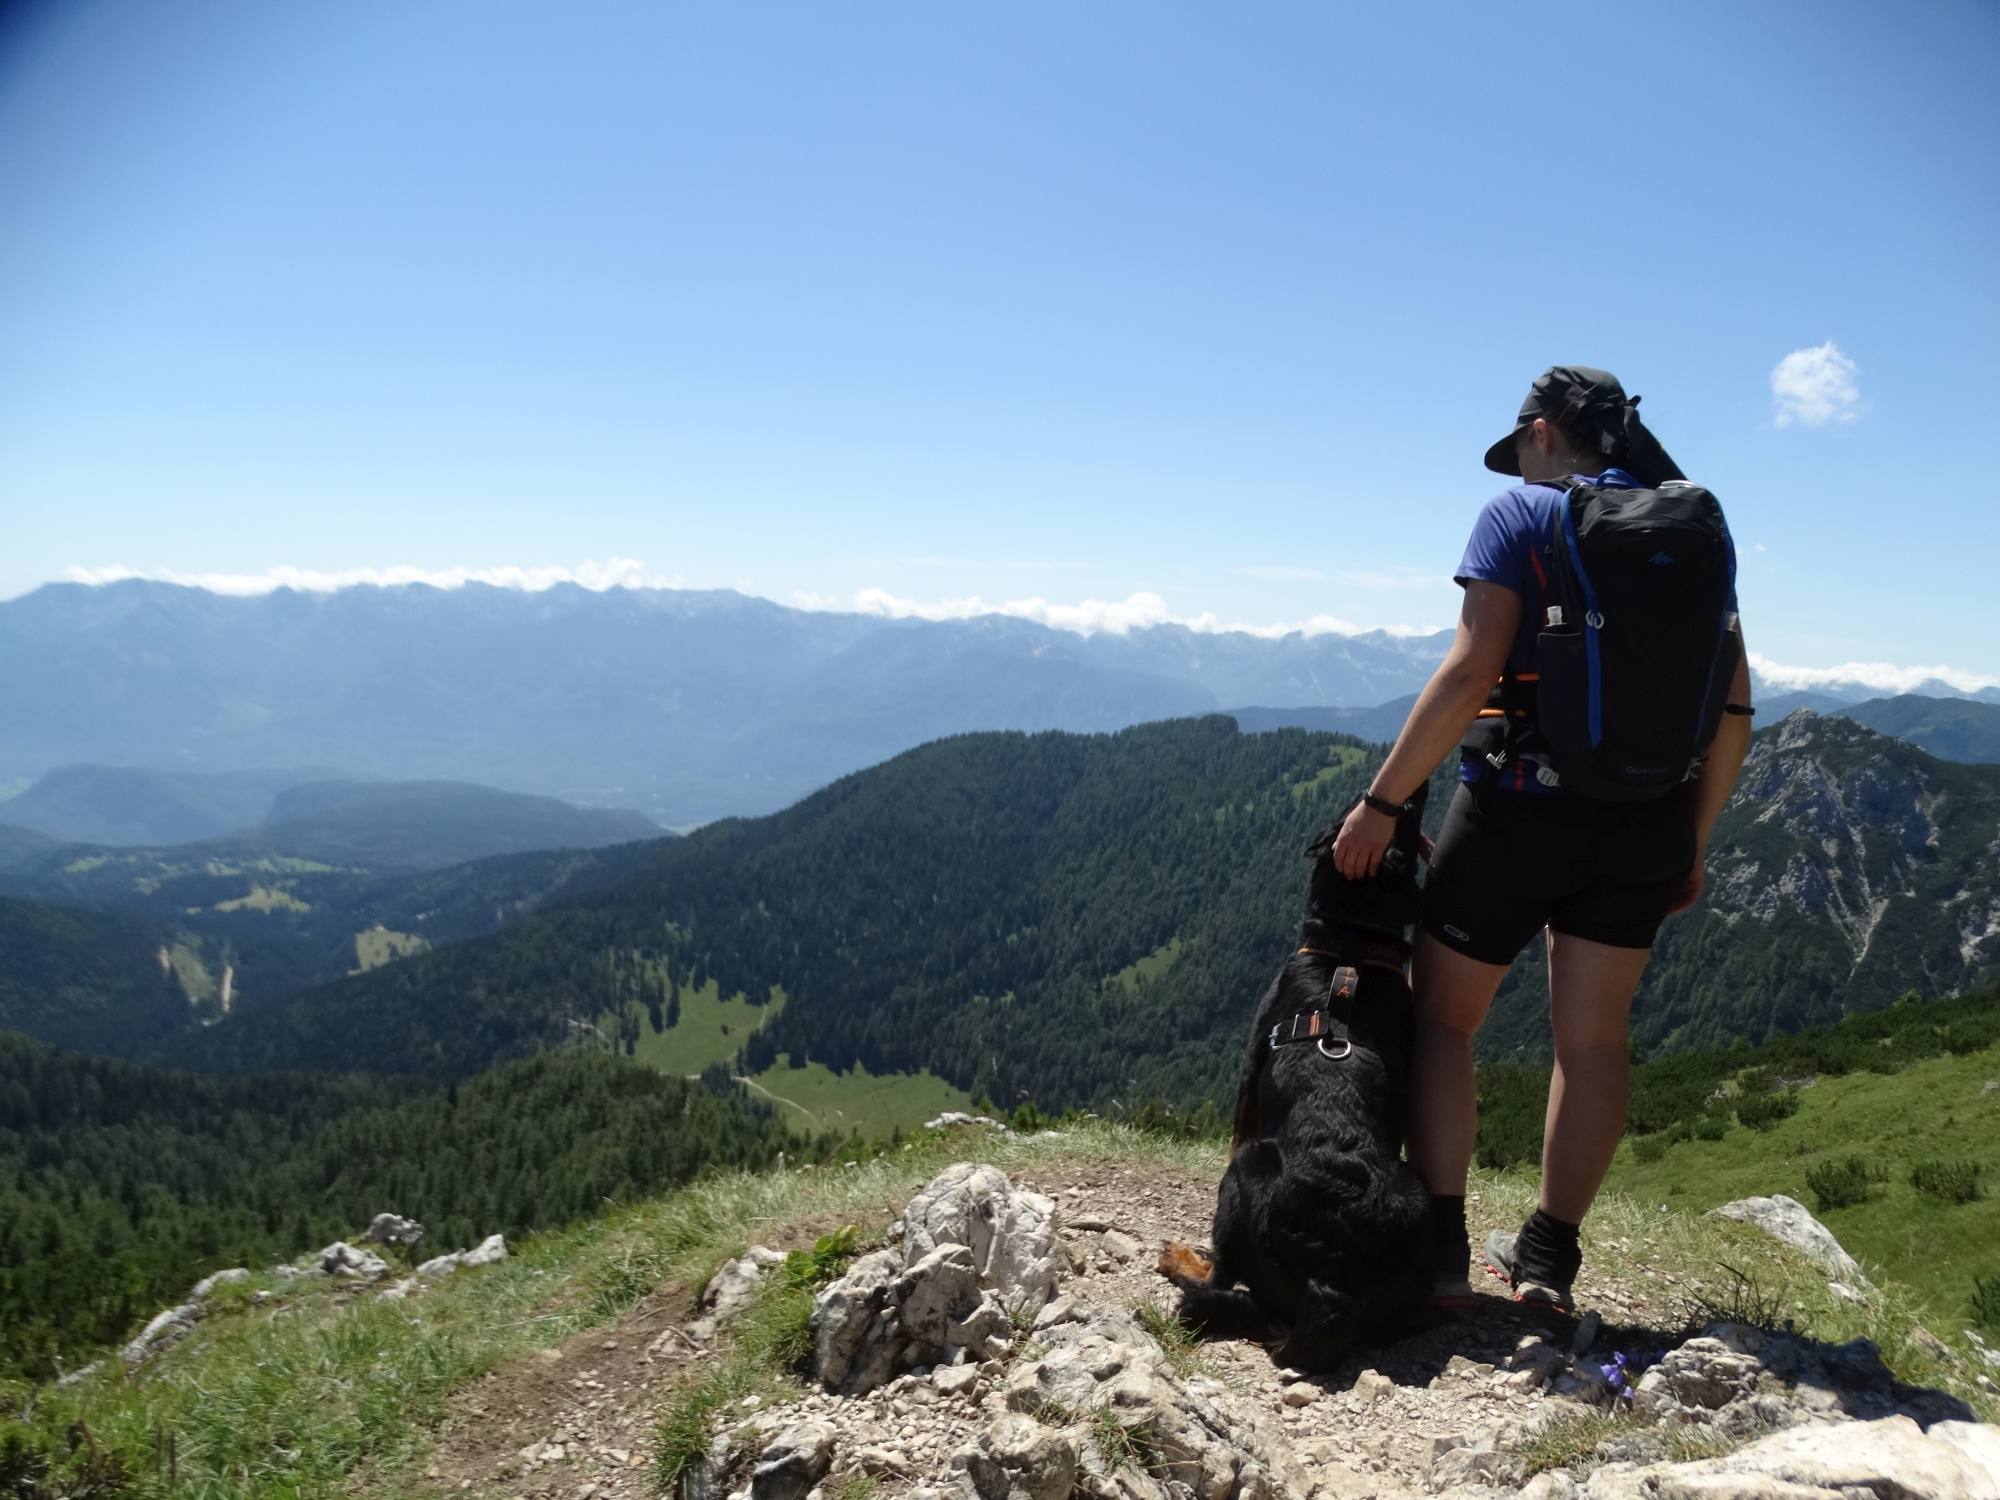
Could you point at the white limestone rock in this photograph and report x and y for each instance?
(730, 1290)
(877, 1321)
(392, 1229)
(792, 1464)
(489, 1251)
(1011, 1233)
(1016, 1458)
(1789, 1221)
(342, 1259)
(205, 1287)
(1890, 1457)
(166, 1329)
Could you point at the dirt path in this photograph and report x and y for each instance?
(575, 1422)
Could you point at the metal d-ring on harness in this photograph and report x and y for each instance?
(1322, 1025)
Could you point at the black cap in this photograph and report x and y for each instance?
(1583, 402)
(1564, 394)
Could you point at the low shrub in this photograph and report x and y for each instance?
(1711, 1127)
(1986, 1300)
(1648, 1149)
(1764, 1111)
(1953, 1181)
(1839, 1184)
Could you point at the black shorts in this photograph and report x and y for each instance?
(1509, 863)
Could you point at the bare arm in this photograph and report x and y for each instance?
(1718, 779)
(1444, 710)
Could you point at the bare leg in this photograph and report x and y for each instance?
(1590, 1007)
(1452, 993)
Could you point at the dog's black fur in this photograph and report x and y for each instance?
(1317, 1218)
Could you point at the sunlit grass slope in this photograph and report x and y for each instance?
(1935, 1110)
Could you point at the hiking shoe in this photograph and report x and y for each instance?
(1529, 1290)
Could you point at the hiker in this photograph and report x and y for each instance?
(1599, 696)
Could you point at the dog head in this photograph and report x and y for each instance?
(1380, 908)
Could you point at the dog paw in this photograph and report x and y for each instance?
(1182, 1262)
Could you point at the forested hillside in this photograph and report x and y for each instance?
(263, 927)
(121, 1184)
(962, 907)
(90, 980)
(1088, 919)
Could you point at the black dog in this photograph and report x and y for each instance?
(1318, 1218)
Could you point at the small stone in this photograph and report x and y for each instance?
(1371, 1386)
(1016, 1458)
(794, 1463)
(1922, 1338)
(957, 1380)
(1587, 1330)
(1121, 1246)
(1301, 1394)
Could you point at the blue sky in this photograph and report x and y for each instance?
(910, 304)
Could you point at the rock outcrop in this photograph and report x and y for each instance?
(1011, 1234)
(489, 1251)
(1740, 1381)
(972, 1251)
(392, 1229)
(730, 1289)
(1791, 1222)
(1888, 1459)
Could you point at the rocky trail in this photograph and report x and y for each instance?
(929, 1390)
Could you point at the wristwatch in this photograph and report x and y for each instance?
(1384, 806)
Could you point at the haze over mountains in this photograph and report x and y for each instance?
(685, 705)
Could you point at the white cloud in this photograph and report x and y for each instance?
(618, 573)
(1115, 617)
(1816, 386)
(1882, 676)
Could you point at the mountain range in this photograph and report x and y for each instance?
(686, 705)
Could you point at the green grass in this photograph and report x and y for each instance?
(1340, 760)
(378, 946)
(1146, 970)
(817, 1098)
(1932, 1109)
(710, 1030)
(813, 1098)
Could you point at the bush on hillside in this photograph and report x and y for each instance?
(1513, 1099)
(1764, 1111)
(1986, 1301)
(1953, 1181)
(1648, 1149)
(1838, 1184)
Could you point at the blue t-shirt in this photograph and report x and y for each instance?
(1510, 546)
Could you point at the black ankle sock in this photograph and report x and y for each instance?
(1451, 1245)
(1547, 1252)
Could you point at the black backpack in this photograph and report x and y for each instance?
(1639, 644)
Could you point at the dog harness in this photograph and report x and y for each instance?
(1327, 1024)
